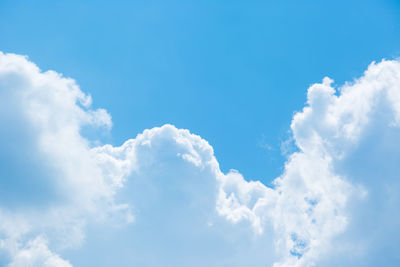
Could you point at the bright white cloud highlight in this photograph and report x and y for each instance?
(37, 254)
(166, 185)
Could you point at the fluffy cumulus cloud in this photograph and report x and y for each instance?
(160, 199)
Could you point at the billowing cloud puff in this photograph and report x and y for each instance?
(160, 199)
(49, 180)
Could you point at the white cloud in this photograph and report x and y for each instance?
(49, 179)
(36, 254)
(320, 191)
(59, 184)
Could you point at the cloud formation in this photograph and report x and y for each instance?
(163, 195)
(37, 254)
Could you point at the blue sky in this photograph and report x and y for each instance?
(232, 72)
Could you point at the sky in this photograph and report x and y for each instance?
(199, 133)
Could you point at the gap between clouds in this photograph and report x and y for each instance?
(55, 184)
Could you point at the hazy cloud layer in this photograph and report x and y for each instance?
(160, 199)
